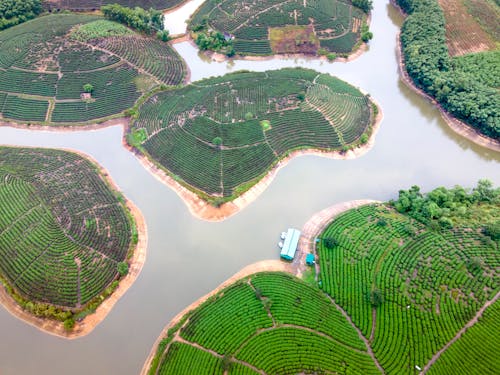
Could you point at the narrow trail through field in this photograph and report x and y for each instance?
(459, 334)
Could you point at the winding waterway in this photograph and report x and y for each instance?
(188, 257)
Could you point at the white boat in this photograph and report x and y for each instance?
(280, 244)
(283, 235)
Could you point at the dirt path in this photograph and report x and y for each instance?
(459, 334)
(91, 321)
(456, 125)
(263, 266)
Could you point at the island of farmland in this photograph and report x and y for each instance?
(281, 26)
(402, 287)
(71, 68)
(67, 239)
(221, 136)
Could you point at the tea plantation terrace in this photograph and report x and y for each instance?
(220, 136)
(268, 27)
(65, 235)
(76, 68)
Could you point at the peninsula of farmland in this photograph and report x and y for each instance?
(400, 287)
(221, 136)
(66, 237)
(73, 68)
(281, 26)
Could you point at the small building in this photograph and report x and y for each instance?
(85, 96)
(310, 259)
(291, 242)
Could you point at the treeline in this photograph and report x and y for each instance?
(444, 206)
(14, 12)
(460, 90)
(146, 21)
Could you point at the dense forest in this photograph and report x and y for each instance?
(14, 12)
(465, 85)
(444, 207)
(147, 21)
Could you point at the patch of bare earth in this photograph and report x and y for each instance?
(294, 39)
(463, 33)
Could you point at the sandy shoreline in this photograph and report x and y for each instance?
(455, 124)
(262, 266)
(91, 321)
(206, 211)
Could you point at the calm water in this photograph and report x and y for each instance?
(188, 257)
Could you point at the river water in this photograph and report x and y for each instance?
(188, 257)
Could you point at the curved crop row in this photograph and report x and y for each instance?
(271, 322)
(421, 284)
(62, 230)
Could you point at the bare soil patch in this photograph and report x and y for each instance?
(463, 33)
(294, 39)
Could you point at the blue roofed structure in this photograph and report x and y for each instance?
(291, 242)
(310, 259)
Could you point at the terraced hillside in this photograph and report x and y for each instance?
(219, 136)
(63, 231)
(46, 63)
(270, 323)
(282, 26)
(96, 4)
(411, 287)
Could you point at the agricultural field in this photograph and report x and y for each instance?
(282, 26)
(64, 234)
(481, 344)
(413, 273)
(52, 5)
(70, 68)
(471, 25)
(270, 323)
(220, 136)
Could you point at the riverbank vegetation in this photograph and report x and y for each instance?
(220, 136)
(465, 86)
(90, 5)
(271, 322)
(280, 27)
(65, 235)
(44, 63)
(433, 262)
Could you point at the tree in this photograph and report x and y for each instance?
(88, 88)
(163, 35)
(364, 5)
(69, 324)
(217, 141)
(376, 298)
(330, 242)
(122, 268)
(14, 12)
